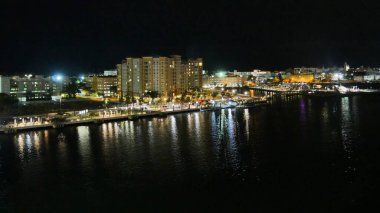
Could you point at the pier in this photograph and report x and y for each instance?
(271, 91)
(16, 127)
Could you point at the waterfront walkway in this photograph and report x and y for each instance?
(102, 116)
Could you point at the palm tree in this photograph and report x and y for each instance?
(72, 88)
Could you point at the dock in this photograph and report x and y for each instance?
(9, 129)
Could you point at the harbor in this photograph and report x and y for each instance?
(86, 117)
(262, 96)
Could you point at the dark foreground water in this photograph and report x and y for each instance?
(303, 154)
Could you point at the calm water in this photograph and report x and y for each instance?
(299, 154)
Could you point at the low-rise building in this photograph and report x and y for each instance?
(110, 72)
(222, 79)
(105, 86)
(29, 88)
(366, 76)
(299, 78)
(5, 82)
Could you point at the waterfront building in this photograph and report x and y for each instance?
(174, 76)
(160, 75)
(168, 76)
(147, 73)
(254, 77)
(222, 79)
(119, 82)
(194, 73)
(308, 70)
(88, 81)
(130, 77)
(299, 78)
(105, 86)
(5, 84)
(29, 87)
(260, 76)
(110, 72)
(366, 76)
(346, 67)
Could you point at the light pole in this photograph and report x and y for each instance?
(59, 86)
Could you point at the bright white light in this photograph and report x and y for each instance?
(58, 77)
(221, 74)
(337, 76)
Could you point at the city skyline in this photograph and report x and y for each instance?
(77, 36)
(189, 106)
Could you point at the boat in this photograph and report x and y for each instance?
(252, 102)
(341, 89)
(225, 104)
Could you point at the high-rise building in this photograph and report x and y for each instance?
(160, 75)
(147, 74)
(130, 77)
(165, 75)
(136, 77)
(194, 71)
(175, 74)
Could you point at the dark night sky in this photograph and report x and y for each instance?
(87, 36)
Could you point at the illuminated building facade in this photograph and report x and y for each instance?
(29, 88)
(221, 79)
(165, 75)
(105, 86)
(5, 84)
(194, 73)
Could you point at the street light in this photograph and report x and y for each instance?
(58, 79)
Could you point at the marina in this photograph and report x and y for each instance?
(31, 122)
(86, 117)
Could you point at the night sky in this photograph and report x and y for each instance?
(90, 36)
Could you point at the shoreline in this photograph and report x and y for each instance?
(99, 120)
(13, 130)
(10, 130)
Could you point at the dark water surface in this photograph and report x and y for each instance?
(302, 154)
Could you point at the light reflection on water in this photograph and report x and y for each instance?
(347, 133)
(222, 145)
(84, 139)
(246, 119)
(217, 132)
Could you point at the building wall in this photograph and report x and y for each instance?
(5, 84)
(103, 84)
(137, 81)
(130, 76)
(160, 71)
(119, 81)
(147, 74)
(174, 80)
(372, 77)
(305, 78)
(34, 88)
(221, 81)
(110, 72)
(165, 75)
